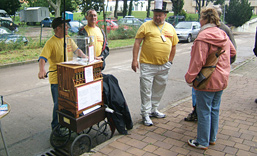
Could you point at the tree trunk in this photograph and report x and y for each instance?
(125, 6)
(56, 7)
(148, 9)
(116, 9)
(130, 8)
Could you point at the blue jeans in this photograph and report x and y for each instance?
(208, 104)
(193, 97)
(54, 90)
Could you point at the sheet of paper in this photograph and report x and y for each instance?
(91, 109)
(89, 94)
(89, 74)
(91, 54)
(3, 112)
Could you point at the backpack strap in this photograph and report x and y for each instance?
(104, 37)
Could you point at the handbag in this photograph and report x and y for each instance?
(204, 75)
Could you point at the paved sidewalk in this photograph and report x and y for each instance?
(167, 137)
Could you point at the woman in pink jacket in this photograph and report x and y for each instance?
(208, 40)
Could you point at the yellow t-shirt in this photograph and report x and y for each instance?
(53, 51)
(98, 38)
(154, 50)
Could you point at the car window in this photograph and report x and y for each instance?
(113, 23)
(184, 25)
(129, 21)
(137, 22)
(75, 24)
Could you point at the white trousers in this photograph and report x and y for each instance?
(153, 80)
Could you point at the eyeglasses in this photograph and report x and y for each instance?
(161, 15)
(92, 15)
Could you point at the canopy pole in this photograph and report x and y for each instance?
(64, 41)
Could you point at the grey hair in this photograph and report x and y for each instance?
(90, 10)
(218, 9)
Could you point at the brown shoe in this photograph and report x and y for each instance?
(212, 143)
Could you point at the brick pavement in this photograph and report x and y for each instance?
(237, 133)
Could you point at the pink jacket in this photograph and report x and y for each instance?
(207, 42)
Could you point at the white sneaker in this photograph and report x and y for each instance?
(157, 114)
(147, 121)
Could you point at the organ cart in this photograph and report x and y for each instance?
(80, 107)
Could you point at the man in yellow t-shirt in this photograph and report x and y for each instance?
(157, 53)
(91, 29)
(53, 52)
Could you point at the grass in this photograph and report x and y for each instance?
(28, 54)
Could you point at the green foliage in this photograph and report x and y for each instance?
(121, 33)
(69, 5)
(37, 3)
(183, 13)
(238, 12)
(177, 6)
(10, 6)
(221, 2)
(91, 4)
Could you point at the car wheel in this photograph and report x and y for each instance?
(189, 38)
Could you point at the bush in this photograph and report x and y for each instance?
(122, 33)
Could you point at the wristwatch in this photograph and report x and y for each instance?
(170, 62)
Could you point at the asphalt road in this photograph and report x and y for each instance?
(27, 127)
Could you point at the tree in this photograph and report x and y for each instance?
(91, 4)
(148, 8)
(238, 12)
(200, 4)
(38, 3)
(55, 6)
(125, 7)
(221, 2)
(177, 6)
(116, 9)
(10, 6)
(130, 8)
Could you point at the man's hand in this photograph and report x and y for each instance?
(99, 58)
(134, 65)
(42, 74)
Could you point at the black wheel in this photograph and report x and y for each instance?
(103, 133)
(189, 38)
(60, 136)
(86, 131)
(80, 145)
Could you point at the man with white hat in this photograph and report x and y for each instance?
(156, 56)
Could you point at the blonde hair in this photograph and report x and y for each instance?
(211, 15)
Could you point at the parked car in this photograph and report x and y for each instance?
(147, 19)
(84, 21)
(47, 22)
(74, 26)
(8, 36)
(130, 21)
(4, 15)
(187, 31)
(8, 24)
(175, 19)
(110, 25)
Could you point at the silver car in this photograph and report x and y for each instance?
(187, 31)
